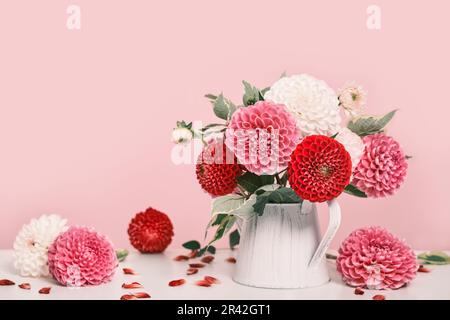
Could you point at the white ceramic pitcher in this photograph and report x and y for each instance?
(283, 248)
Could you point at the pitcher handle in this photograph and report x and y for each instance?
(335, 220)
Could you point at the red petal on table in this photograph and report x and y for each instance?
(196, 265)
(128, 271)
(6, 282)
(378, 297)
(128, 297)
(45, 290)
(203, 283)
(359, 291)
(181, 258)
(176, 283)
(231, 260)
(212, 280)
(207, 259)
(193, 254)
(133, 285)
(141, 295)
(423, 269)
(191, 271)
(25, 286)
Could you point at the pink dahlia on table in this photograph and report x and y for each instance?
(262, 136)
(80, 257)
(382, 168)
(374, 258)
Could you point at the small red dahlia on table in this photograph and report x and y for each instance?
(320, 168)
(150, 231)
(217, 169)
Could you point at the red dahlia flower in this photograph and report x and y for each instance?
(150, 231)
(217, 169)
(320, 168)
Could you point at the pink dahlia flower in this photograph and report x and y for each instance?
(80, 257)
(375, 259)
(382, 168)
(262, 137)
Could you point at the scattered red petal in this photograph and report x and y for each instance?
(141, 295)
(128, 297)
(6, 282)
(196, 265)
(191, 271)
(203, 283)
(176, 283)
(133, 285)
(25, 286)
(231, 260)
(359, 291)
(423, 269)
(207, 259)
(45, 290)
(211, 280)
(193, 254)
(181, 258)
(128, 271)
(379, 297)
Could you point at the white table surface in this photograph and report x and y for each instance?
(155, 271)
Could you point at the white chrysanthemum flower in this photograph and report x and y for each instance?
(312, 102)
(182, 135)
(32, 242)
(352, 143)
(353, 99)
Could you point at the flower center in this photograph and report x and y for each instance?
(325, 171)
(354, 96)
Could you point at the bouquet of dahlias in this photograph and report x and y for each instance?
(288, 143)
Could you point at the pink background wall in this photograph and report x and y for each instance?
(86, 115)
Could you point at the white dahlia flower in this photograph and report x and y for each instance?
(353, 99)
(32, 242)
(352, 143)
(312, 102)
(182, 135)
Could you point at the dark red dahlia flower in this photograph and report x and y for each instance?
(320, 168)
(217, 169)
(150, 231)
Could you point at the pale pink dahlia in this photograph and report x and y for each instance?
(80, 257)
(375, 259)
(262, 137)
(382, 168)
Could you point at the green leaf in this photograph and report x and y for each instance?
(211, 249)
(227, 204)
(218, 219)
(434, 257)
(385, 119)
(354, 191)
(121, 254)
(223, 108)
(211, 96)
(234, 239)
(284, 195)
(261, 201)
(211, 126)
(251, 94)
(284, 179)
(281, 195)
(192, 245)
(252, 182)
(202, 251)
(365, 126)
